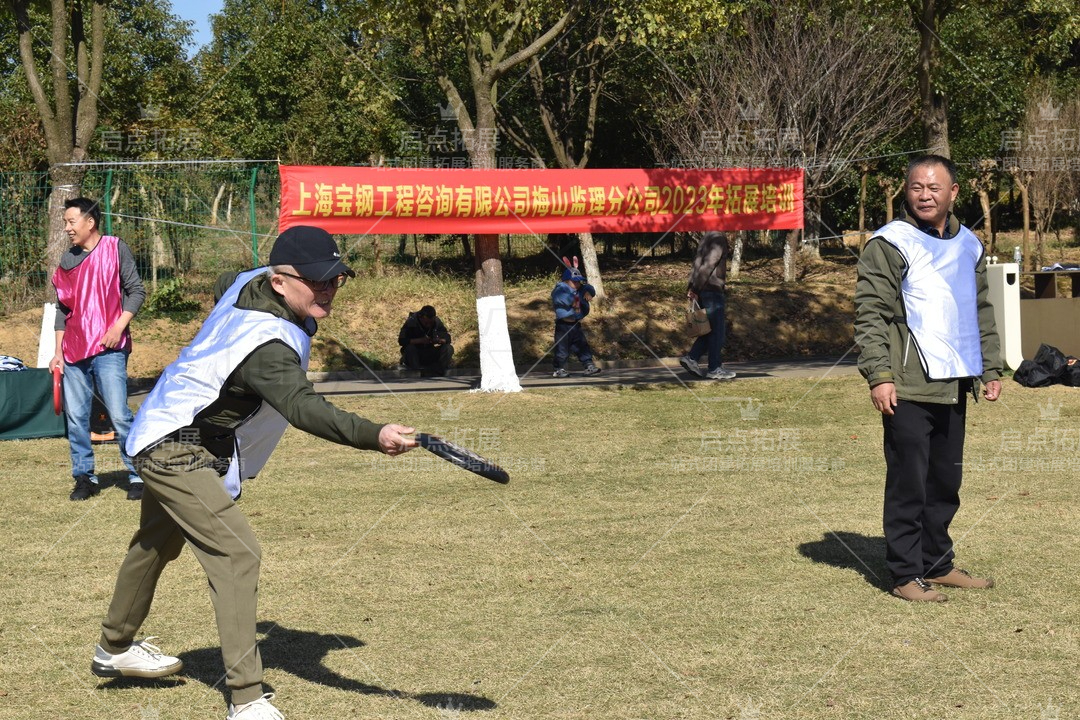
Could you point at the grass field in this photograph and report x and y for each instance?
(712, 552)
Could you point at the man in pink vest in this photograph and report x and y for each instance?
(98, 292)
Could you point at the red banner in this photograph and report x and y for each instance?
(366, 200)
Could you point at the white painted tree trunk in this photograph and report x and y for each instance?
(497, 373)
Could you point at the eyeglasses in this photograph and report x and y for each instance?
(320, 285)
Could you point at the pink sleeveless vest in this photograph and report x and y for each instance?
(91, 290)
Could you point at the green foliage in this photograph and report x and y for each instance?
(670, 24)
(170, 298)
(293, 81)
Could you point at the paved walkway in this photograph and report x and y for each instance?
(666, 370)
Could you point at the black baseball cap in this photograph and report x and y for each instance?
(312, 251)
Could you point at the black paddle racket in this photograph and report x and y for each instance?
(462, 457)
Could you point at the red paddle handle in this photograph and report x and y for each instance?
(57, 391)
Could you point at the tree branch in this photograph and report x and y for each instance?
(61, 85)
(536, 45)
(90, 87)
(26, 55)
(547, 117)
(520, 136)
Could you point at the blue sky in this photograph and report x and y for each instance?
(199, 11)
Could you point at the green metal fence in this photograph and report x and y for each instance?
(188, 221)
(194, 221)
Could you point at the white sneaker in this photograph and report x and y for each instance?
(720, 374)
(260, 709)
(691, 366)
(140, 660)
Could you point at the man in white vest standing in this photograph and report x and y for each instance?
(211, 422)
(927, 336)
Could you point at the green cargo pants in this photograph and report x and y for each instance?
(185, 500)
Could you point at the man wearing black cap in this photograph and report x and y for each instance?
(425, 343)
(212, 421)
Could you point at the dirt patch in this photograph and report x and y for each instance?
(641, 318)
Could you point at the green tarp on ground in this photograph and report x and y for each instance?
(26, 406)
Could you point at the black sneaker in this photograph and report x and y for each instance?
(84, 489)
(135, 491)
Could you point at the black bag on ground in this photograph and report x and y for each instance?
(1047, 368)
(1071, 376)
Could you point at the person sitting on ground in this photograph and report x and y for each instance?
(425, 343)
(570, 298)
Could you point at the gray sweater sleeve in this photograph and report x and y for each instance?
(131, 285)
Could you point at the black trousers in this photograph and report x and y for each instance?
(924, 455)
(570, 338)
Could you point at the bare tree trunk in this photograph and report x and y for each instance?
(892, 189)
(66, 183)
(988, 228)
(488, 58)
(68, 119)
(791, 248)
(811, 234)
(228, 210)
(1025, 247)
(935, 119)
(217, 203)
(592, 265)
(157, 244)
(488, 266)
(376, 248)
(736, 255)
(865, 173)
(993, 228)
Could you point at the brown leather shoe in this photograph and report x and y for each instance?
(918, 590)
(958, 578)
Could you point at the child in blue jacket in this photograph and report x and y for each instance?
(570, 299)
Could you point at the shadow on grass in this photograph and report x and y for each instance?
(301, 653)
(851, 551)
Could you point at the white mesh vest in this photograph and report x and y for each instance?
(939, 294)
(194, 380)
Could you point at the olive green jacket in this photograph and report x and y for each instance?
(888, 353)
(272, 373)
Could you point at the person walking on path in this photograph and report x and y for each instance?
(926, 329)
(706, 287)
